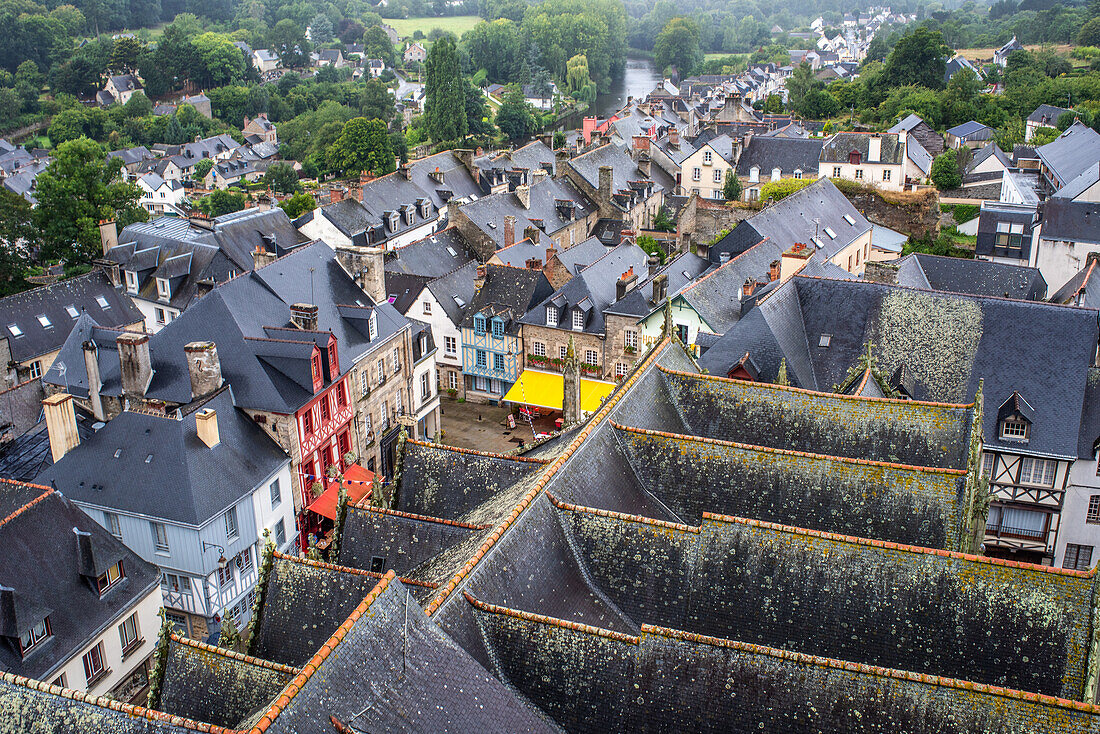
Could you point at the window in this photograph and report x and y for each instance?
(830, 233)
(1078, 557)
(776, 174)
(1014, 429)
(987, 464)
(164, 291)
(276, 494)
(36, 368)
(381, 371)
(44, 321)
(243, 560)
(696, 174)
(326, 412)
(160, 537)
(110, 521)
(280, 533)
(1093, 515)
(561, 352)
(315, 367)
(708, 157)
(102, 303)
(754, 174)
(481, 359)
(630, 337)
(620, 369)
(307, 422)
(231, 521)
(162, 315)
(34, 635)
(479, 325)
(366, 427)
(372, 326)
(551, 316)
(452, 380)
(450, 345)
(73, 313)
(498, 361)
(113, 575)
(1010, 235)
(578, 320)
(398, 408)
(798, 173)
(93, 664)
(886, 175)
(498, 329)
(836, 171)
(15, 330)
(225, 575)
(1037, 471)
(61, 681)
(859, 174)
(384, 417)
(395, 358)
(427, 308)
(717, 175)
(378, 564)
(425, 386)
(128, 632)
(591, 356)
(341, 395)
(176, 584)
(131, 281)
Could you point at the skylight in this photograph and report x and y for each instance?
(831, 233)
(102, 302)
(15, 330)
(118, 453)
(71, 310)
(849, 220)
(817, 242)
(45, 321)
(451, 250)
(824, 340)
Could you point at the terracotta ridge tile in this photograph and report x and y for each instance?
(863, 382)
(346, 569)
(622, 516)
(139, 712)
(423, 518)
(553, 621)
(772, 386)
(299, 331)
(547, 474)
(788, 452)
(233, 654)
(475, 452)
(293, 687)
(716, 517)
(903, 675)
(19, 385)
(20, 510)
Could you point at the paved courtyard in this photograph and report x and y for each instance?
(485, 427)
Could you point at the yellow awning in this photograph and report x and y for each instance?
(547, 390)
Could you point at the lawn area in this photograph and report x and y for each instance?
(986, 54)
(711, 57)
(456, 24)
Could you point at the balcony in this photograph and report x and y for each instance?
(1010, 532)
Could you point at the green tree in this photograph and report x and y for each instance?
(477, 111)
(125, 54)
(515, 118)
(578, 83)
(298, 205)
(773, 104)
(918, 58)
(496, 47)
(229, 638)
(222, 202)
(1090, 33)
(559, 140)
(561, 29)
(70, 17)
(10, 106)
(650, 246)
(678, 46)
(664, 222)
(320, 29)
(376, 45)
(363, 145)
(375, 101)
(289, 41)
(731, 189)
(283, 178)
(799, 85)
(945, 171)
(74, 193)
(445, 94)
(20, 237)
(202, 168)
(220, 62)
(137, 106)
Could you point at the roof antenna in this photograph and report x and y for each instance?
(311, 300)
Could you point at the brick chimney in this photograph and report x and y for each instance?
(534, 263)
(136, 363)
(336, 194)
(748, 288)
(95, 382)
(206, 426)
(204, 367)
(523, 193)
(61, 424)
(775, 269)
(794, 259)
(627, 281)
(509, 230)
(604, 191)
(108, 234)
(673, 138)
(551, 253)
(304, 316)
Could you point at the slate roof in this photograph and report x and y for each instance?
(1047, 115)
(971, 131)
(44, 564)
(837, 148)
(976, 277)
(581, 255)
(717, 296)
(61, 304)
(623, 168)
(988, 151)
(994, 212)
(1071, 152)
(194, 483)
(786, 154)
(488, 212)
(1082, 289)
(403, 290)
(508, 292)
(457, 181)
(455, 291)
(1079, 185)
(1071, 221)
(433, 256)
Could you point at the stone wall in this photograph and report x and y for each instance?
(704, 220)
(913, 213)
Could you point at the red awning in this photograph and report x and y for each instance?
(357, 482)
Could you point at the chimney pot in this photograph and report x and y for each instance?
(774, 269)
(135, 362)
(653, 264)
(204, 368)
(534, 263)
(61, 424)
(336, 194)
(206, 426)
(479, 278)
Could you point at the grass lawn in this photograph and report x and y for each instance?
(457, 24)
(986, 54)
(711, 57)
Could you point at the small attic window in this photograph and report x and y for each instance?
(15, 330)
(73, 313)
(44, 320)
(825, 340)
(451, 250)
(372, 326)
(102, 302)
(849, 220)
(118, 453)
(831, 233)
(1015, 429)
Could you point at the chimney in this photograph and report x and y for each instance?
(437, 175)
(644, 164)
(673, 138)
(551, 253)
(95, 382)
(538, 176)
(201, 221)
(206, 426)
(748, 288)
(204, 368)
(336, 194)
(641, 142)
(625, 283)
(365, 177)
(775, 269)
(466, 156)
(660, 288)
(604, 192)
(108, 234)
(109, 268)
(561, 155)
(509, 230)
(61, 424)
(136, 364)
(203, 287)
(304, 316)
(261, 257)
(534, 263)
(874, 149)
(531, 232)
(653, 264)
(479, 278)
(523, 193)
(702, 249)
(794, 259)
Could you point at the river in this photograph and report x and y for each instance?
(639, 78)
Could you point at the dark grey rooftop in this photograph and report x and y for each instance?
(976, 277)
(434, 256)
(1071, 152)
(786, 154)
(837, 148)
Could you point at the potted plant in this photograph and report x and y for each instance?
(316, 488)
(332, 471)
(350, 457)
(452, 391)
(629, 350)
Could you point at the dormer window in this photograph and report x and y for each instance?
(393, 220)
(372, 326)
(113, 575)
(333, 361)
(315, 367)
(479, 325)
(34, 636)
(855, 158)
(425, 208)
(164, 290)
(131, 281)
(776, 174)
(498, 329)
(754, 174)
(578, 320)
(1017, 430)
(551, 316)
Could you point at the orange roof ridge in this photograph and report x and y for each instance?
(19, 385)
(423, 518)
(475, 452)
(20, 510)
(139, 712)
(547, 475)
(787, 452)
(233, 654)
(863, 382)
(291, 690)
(716, 517)
(554, 621)
(622, 516)
(773, 386)
(904, 675)
(347, 569)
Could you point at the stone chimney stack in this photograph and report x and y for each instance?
(625, 283)
(204, 368)
(571, 375)
(509, 230)
(653, 265)
(644, 164)
(479, 277)
(366, 266)
(673, 138)
(303, 316)
(336, 194)
(108, 234)
(523, 193)
(702, 249)
(660, 288)
(561, 155)
(261, 257)
(538, 176)
(61, 424)
(531, 232)
(775, 269)
(604, 191)
(136, 363)
(206, 426)
(95, 382)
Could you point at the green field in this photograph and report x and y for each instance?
(457, 24)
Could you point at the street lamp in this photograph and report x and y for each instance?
(222, 563)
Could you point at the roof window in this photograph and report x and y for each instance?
(849, 220)
(102, 302)
(825, 340)
(831, 233)
(71, 310)
(15, 330)
(45, 321)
